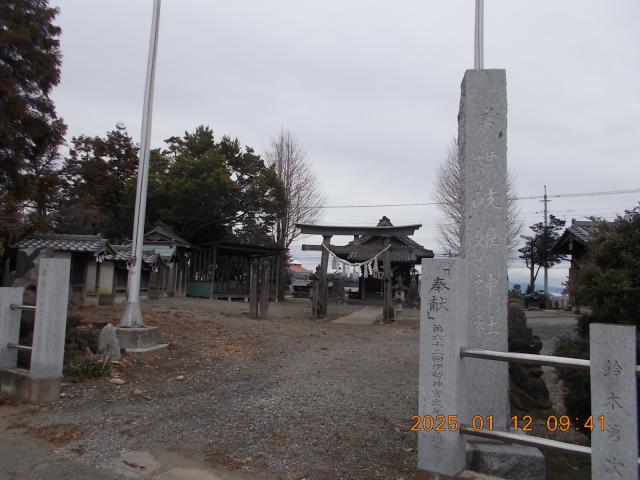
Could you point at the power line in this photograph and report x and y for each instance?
(530, 197)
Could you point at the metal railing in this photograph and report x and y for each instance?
(531, 359)
(15, 306)
(17, 346)
(528, 358)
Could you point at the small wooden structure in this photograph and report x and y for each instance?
(234, 270)
(367, 242)
(174, 252)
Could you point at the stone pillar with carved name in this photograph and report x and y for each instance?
(482, 143)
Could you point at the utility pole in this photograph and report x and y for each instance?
(546, 223)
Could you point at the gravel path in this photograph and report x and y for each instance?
(281, 398)
(285, 398)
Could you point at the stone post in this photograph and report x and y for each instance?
(51, 318)
(441, 385)
(482, 143)
(614, 408)
(9, 325)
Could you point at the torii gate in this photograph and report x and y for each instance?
(328, 231)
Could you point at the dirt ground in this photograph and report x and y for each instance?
(280, 398)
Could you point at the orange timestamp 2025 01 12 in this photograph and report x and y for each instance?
(451, 423)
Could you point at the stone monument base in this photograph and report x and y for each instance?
(505, 460)
(140, 339)
(466, 475)
(18, 384)
(492, 460)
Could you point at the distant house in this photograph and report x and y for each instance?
(300, 279)
(575, 242)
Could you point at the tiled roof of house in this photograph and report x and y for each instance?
(297, 268)
(582, 230)
(66, 243)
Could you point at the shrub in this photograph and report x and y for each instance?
(577, 392)
(87, 366)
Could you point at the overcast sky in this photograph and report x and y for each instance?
(371, 90)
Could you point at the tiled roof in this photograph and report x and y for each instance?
(65, 243)
(167, 232)
(123, 254)
(413, 252)
(582, 230)
(297, 268)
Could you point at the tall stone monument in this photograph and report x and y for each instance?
(470, 307)
(482, 142)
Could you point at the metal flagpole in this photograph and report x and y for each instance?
(478, 57)
(133, 314)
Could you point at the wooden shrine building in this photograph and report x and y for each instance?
(400, 255)
(232, 270)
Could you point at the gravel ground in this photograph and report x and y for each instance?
(281, 398)
(285, 398)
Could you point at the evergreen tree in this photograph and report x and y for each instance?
(212, 189)
(608, 282)
(608, 278)
(99, 182)
(539, 249)
(30, 130)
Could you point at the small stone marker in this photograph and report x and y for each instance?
(9, 325)
(51, 318)
(482, 143)
(108, 343)
(614, 449)
(441, 447)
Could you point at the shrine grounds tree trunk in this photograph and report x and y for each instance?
(302, 193)
(450, 197)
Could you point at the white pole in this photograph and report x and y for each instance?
(478, 57)
(133, 314)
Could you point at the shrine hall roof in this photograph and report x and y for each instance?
(403, 248)
(66, 243)
(123, 254)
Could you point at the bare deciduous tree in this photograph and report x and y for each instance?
(450, 197)
(301, 190)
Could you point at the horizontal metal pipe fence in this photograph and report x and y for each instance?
(531, 359)
(15, 306)
(549, 360)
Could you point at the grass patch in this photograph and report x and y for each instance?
(87, 366)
